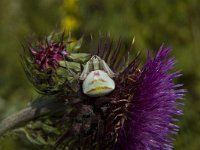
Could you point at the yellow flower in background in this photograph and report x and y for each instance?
(71, 5)
(70, 23)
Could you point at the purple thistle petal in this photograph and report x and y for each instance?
(150, 115)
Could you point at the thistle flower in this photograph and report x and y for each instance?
(128, 108)
(150, 114)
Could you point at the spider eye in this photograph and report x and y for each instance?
(97, 84)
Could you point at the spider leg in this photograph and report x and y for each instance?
(106, 68)
(85, 71)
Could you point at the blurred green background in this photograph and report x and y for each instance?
(176, 23)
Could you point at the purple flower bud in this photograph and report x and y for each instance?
(48, 55)
(41, 60)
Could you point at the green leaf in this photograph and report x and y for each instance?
(77, 45)
(70, 65)
(79, 57)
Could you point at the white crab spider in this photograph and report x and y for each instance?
(97, 78)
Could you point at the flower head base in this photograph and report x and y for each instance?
(138, 114)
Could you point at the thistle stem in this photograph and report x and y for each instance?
(42, 106)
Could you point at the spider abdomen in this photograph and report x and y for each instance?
(98, 83)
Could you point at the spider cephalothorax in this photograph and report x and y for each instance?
(97, 78)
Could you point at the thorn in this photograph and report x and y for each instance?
(70, 35)
(133, 41)
(91, 37)
(100, 34)
(108, 34)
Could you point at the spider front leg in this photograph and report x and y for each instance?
(86, 71)
(106, 68)
(91, 65)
